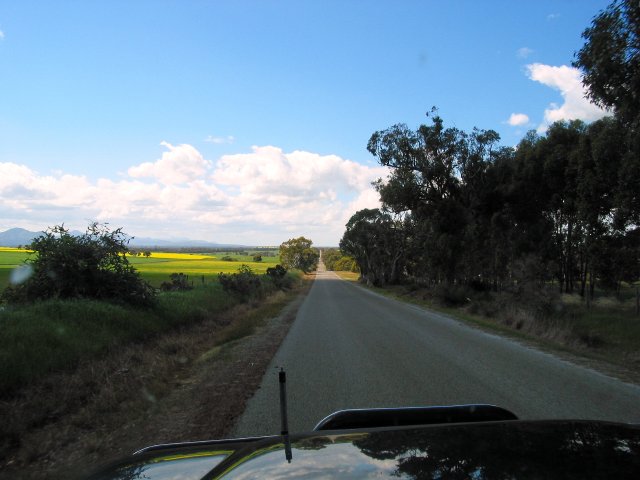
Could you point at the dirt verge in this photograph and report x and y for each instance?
(189, 384)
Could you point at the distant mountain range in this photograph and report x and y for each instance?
(19, 236)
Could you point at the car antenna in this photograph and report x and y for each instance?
(282, 377)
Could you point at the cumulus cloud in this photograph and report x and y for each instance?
(524, 52)
(263, 196)
(268, 171)
(180, 164)
(568, 81)
(518, 119)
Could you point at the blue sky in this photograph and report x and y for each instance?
(247, 121)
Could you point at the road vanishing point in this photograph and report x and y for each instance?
(352, 348)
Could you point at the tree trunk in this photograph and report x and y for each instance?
(584, 264)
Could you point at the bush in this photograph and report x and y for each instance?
(452, 295)
(179, 282)
(279, 278)
(346, 264)
(245, 283)
(92, 265)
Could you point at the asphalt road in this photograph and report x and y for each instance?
(351, 348)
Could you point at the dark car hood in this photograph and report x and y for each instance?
(492, 450)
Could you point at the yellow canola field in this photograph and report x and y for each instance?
(178, 256)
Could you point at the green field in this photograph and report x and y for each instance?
(160, 265)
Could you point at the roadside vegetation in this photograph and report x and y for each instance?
(542, 238)
(337, 261)
(77, 298)
(88, 344)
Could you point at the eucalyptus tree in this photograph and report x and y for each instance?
(439, 178)
(298, 253)
(376, 240)
(610, 61)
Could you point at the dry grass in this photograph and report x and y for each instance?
(351, 276)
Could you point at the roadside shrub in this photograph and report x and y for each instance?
(92, 265)
(346, 264)
(278, 275)
(179, 282)
(452, 295)
(245, 283)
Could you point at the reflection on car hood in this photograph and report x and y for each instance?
(494, 450)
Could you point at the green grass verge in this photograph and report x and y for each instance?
(56, 335)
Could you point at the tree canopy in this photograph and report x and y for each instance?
(460, 209)
(297, 253)
(563, 206)
(610, 59)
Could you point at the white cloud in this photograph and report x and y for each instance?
(1, 35)
(518, 119)
(220, 140)
(261, 197)
(568, 81)
(553, 16)
(180, 164)
(269, 171)
(524, 52)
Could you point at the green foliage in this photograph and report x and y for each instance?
(376, 241)
(330, 256)
(460, 210)
(610, 59)
(346, 264)
(179, 282)
(335, 260)
(55, 335)
(297, 253)
(278, 276)
(257, 258)
(245, 283)
(92, 265)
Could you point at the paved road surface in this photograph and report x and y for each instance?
(351, 348)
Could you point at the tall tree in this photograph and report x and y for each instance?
(610, 59)
(297, 253)
(439, 176)
(376, 240)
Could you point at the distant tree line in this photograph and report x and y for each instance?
(561, 207)
(334, 259)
